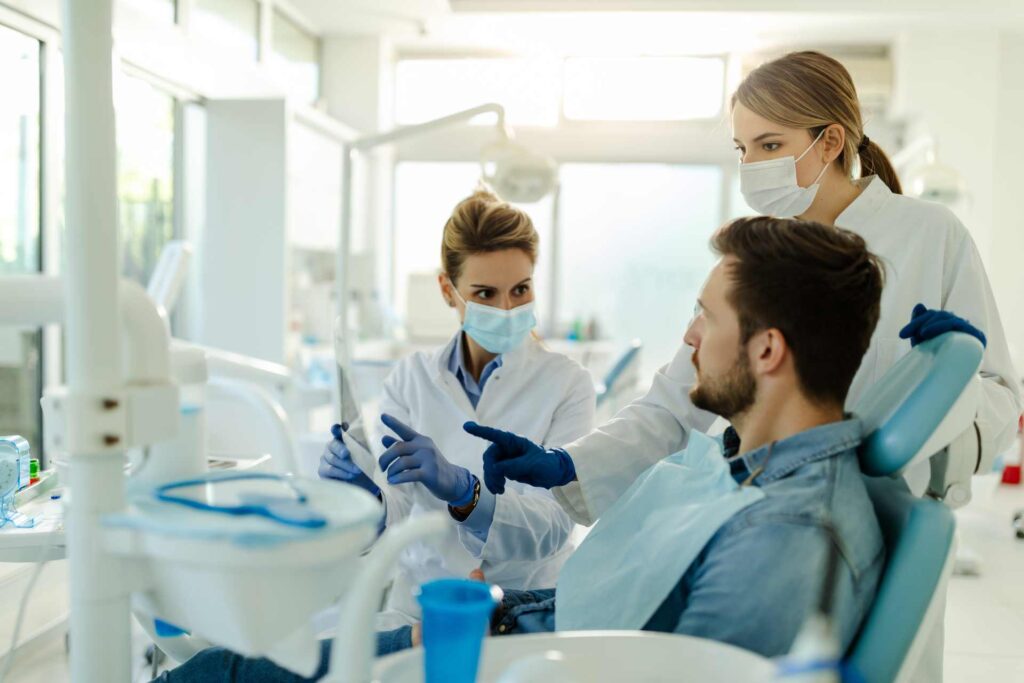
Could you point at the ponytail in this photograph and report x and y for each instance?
(873, 161)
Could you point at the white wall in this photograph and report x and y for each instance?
(352, 80)
(966, 88)
(947, 80)
(1007, 258)
(243, 262)
(356, 82)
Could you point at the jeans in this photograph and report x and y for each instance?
(519, 612)
(218, 665)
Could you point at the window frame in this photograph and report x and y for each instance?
(48, 254)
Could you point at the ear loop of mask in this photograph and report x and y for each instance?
(456, 291)
(809, 148)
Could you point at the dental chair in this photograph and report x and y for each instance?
(924, 402)
(616, 380)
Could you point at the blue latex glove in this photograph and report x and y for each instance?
(515, 457)
(927, 323)
(336, 463)
(416, 458)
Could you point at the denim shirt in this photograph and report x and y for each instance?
(760, 575)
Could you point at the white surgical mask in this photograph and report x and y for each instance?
(496, 329)
(770, 187)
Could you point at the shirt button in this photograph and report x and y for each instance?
(502, 628)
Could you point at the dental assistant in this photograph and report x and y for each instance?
(798, 129)
(493, 371)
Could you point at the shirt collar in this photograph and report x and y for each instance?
(874, 193)
(457, 363)
(781, 458)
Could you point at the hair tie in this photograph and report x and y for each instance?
(864, 142)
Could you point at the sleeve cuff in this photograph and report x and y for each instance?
(571, 498)
(384, 517)
(473, 531)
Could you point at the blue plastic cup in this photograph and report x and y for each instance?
(456, 615)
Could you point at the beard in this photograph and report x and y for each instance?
(728, 394)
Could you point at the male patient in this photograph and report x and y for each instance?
(726, 545)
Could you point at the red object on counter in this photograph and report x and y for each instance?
(1011, 474)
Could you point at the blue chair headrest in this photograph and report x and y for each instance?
(628, 357)
(905, 409)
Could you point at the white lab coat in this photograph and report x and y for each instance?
(929, 257)
(539, 394)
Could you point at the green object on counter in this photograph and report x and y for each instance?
(33, 468)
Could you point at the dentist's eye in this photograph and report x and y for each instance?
(771, 146)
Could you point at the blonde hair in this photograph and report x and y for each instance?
(812, 90)
(483, 223)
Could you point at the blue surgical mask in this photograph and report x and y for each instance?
(496, 329)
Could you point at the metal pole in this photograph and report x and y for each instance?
(341, 269)
(100, 635)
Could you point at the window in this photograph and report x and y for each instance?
(427, 192)
(145, 167)
(535, 91)
(296, 58)
(230, 25)
(19, 153)
(634, 250)
(644, 88)
(20, 365)
(427, 89)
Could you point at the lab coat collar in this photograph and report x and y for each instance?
(874, 194)
(509, 360)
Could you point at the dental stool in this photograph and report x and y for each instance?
(925, 401)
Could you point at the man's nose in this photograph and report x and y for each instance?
(692, 335)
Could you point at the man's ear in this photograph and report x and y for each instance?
(768, 351)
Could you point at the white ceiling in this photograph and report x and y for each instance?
(649, 27)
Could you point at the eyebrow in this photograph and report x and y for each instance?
(493, 287)
(761, 137)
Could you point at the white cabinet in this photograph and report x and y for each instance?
(273, 207)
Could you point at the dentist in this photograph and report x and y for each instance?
(492, 371)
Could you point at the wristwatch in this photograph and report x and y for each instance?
(462, 513)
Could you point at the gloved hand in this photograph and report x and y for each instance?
(416, 458)
(511, 456)
(927, 323)
(336, 463)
